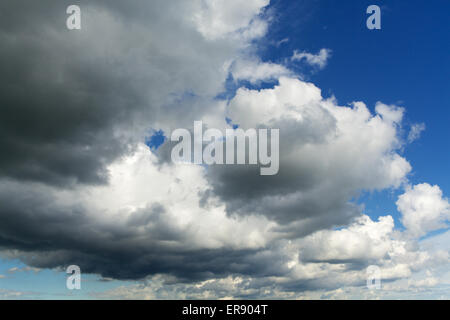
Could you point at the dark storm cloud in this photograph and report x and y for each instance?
(299, 196)
(73, 101)
(45, 232)
(58, 107)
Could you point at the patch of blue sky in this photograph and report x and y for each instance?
(155, 140)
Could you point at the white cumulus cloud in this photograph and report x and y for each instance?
(423, 209)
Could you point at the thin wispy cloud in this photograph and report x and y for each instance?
(316, 60)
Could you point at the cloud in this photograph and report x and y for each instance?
(11, 294)
(328, 153)
(408, 270)
(282, 41)
(423, 209)
(67, 128)
(256, 71)
(316, 60)
(24, 269)
(74, 101)
(415, 132)
(146, 221)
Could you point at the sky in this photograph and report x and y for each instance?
(86, 176)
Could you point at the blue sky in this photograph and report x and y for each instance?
(406, 63)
